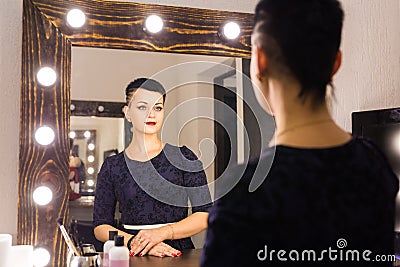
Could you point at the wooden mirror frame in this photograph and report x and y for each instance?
(47, 41)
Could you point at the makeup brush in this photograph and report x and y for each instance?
(67, 239)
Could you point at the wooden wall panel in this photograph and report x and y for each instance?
(119, 25)
(43, 45)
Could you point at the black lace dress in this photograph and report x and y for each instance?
(152, 192)
(338, 199)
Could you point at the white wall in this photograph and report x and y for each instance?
(229, 5)
(370, 77)
(10, 69)
(370, 73)
(107, 132)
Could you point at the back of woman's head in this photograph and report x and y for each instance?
(146, 84)
(301, 39)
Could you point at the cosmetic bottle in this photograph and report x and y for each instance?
(119, 254)
(107, 246)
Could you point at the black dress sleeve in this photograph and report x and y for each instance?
(196, 183)
(105, 200)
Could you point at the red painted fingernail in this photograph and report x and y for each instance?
(173, 254)
(162, 255)
(179, 253)
(140, 255)
(131, 253)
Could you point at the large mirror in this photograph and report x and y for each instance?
(47, 42)
(101, 75)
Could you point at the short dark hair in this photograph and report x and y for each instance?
(146, 84)
(301, 39)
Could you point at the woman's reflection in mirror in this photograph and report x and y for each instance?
(145, 99)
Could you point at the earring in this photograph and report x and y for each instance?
(259, 77)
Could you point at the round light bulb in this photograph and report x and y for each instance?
(231, 30)
(76, 18)
(46, 76)
(41, 257)
(90, 170)
(86, 134)
(90, 158)
(91, 147)
(72, 134)
(154, 24)
(90, 182)
(100, 108)
(44, 135)
(42, 195)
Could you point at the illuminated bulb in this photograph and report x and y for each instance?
(86, 134)
(72, 107)
(154, 24)
(90, 190)
(76, 18)
(41, 257)
(46, 76)
(91, 147)
(72, 134)
(90, 170)
(90, 182)
(42, 195)
(100, 108)
(90, 158)
(231, 30)
(44, 135)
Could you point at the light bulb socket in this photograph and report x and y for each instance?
(100, 108)
(157, 29)
(75, 18)
(224, 37)
(46, 76)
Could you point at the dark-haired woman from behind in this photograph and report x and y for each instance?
(329, 197)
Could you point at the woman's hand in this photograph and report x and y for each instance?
(145, 240)
(162, 250)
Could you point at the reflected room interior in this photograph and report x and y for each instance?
(99, 78)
